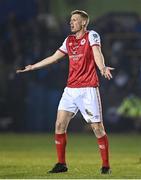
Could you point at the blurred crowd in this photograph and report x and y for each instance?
(121, 35)
(28, 102)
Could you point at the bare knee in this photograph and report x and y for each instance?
(98, 129)
(60, 127)
(63, 119)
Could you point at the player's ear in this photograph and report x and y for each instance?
(83, 23)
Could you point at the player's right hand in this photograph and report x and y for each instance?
(27, 68)
(106, 72)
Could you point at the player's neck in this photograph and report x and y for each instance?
(80, 34)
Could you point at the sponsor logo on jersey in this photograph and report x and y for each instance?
(76, 57)
(74, 52)
(75, 47)
(83, 41)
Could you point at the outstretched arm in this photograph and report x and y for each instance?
(45, 62)
(99, 59)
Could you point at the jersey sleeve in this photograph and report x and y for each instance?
(94, 39)
(63, 48)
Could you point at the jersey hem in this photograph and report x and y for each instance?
(82, 86)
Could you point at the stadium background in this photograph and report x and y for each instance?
(33, 29)
(30, 30)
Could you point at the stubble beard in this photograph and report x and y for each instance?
(76, 31)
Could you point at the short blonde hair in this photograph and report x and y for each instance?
(83, 14)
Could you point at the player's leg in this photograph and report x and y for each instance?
(66, 111)
(99, 130)
(63, 119)
(102, 140)
(90, 107)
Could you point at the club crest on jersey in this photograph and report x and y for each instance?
(83, 41)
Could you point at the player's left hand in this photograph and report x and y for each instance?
(106, 72)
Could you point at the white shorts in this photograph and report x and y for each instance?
(87, 100)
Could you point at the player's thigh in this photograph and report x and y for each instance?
(63, 119)
(67, 102)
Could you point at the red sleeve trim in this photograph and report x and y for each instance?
(96, 45)
(62, 51)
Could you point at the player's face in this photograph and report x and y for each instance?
(76, 23)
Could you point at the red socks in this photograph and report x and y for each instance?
(61, 141)
(104, 150)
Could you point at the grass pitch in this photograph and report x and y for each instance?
(31, 156)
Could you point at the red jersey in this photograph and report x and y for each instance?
(82, 67)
